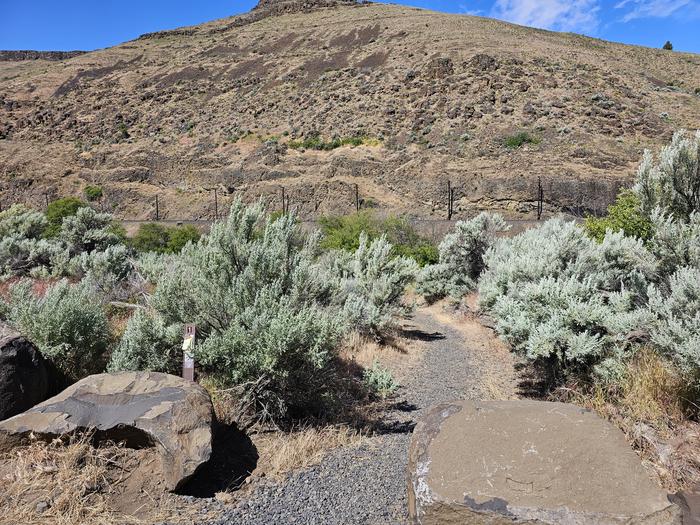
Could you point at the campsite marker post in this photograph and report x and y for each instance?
(188, 352)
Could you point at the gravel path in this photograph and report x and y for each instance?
(367, 484)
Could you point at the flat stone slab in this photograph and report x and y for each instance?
(140, 409)
(506, 462)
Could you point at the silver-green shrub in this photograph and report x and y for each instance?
(565, 301)
(675, 243)
(379, 380)
(259, 300)
(371, 282)
(68, 324)
(676, 330)
(671, 183)
(148, 344)
(461, 258)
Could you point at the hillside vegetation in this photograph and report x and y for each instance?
(319, 96)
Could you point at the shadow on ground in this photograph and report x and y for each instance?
(420, 335)
(233, 458)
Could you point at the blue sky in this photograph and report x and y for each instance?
(82, 24)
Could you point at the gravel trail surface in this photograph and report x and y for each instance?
(366, 484)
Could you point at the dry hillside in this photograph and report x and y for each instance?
(178, 113)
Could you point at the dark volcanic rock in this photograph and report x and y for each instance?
(17, 56)
(24, 377)
(141, 409)
(497, 462)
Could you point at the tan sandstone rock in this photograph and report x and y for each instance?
(507, 462)
(141, 409)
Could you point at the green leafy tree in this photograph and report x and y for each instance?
(624, 215)
(180, 235)
(58, 210)
(151, 237)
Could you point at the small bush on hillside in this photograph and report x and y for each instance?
(671, 183)
(317, 143)
(67, 324)
(148, 344)
(520, 139)
(58, 210)
(624, 215)
(343, 233)
(461, 258)
(92, 193)
(668, 46)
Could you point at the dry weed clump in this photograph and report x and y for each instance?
(651, 406)
(59, 484)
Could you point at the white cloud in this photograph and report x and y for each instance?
(559, 15)
(650, 8)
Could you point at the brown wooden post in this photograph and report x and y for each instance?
(283, 200)
(357, 198)
(46, 198)
(449, 200)
(157, 209)
(216, 206)
(188, 352)
(540, 198)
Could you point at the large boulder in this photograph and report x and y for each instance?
(24, 377)
(140, 409)
(508, 462)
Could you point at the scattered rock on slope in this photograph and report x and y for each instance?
(141, 409)
(533, 462)
(24, 378)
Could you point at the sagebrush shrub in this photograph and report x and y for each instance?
(671, 182)
(67, 324)
(379, 380)
(258, 298)
(676, 331)
(148, 344)
(372, 284)
(566, 302)
(461, 258)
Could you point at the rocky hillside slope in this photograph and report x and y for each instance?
(428, 97)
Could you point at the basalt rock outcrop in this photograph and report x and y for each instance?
(20, 55)
(24, 373)
(139, 409)
(510, 462)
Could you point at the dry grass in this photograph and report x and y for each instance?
(283, 452)
(651, 407)
(71, 479)
(75, 483)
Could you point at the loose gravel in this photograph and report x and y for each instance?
(367, 484)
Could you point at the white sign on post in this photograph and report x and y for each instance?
(188, 352)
